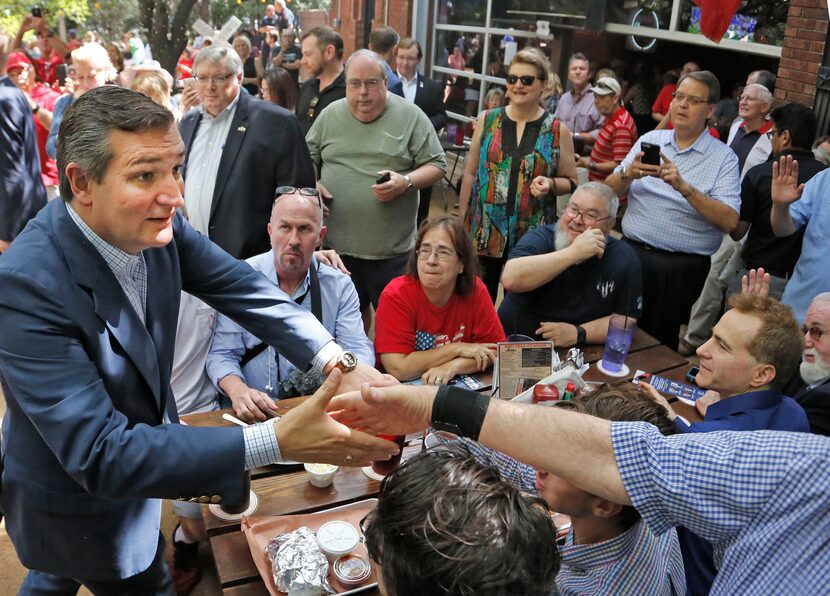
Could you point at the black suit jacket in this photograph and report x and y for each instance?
(265, 148)
(816, 403)
(429, 96)
(22, 193)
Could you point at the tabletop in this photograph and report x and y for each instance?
(284, 489)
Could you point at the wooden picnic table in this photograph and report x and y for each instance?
(285, 490)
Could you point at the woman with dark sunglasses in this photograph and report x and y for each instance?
(520, 158)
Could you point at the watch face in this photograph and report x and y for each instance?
(349, 360)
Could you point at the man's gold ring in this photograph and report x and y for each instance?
(348, 459)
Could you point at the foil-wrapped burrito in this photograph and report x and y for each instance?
(298, 565)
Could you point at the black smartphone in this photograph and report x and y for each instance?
(60, 71)
(691, 374)
(651, 154)
(37, 12)
(385, 177)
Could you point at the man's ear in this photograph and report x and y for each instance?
(605, 508)
(80, 182)
(323, 231)
(762, 374)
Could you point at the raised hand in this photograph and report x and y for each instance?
(785, 186)
(755, 282)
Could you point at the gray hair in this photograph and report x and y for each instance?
(823, 298)
(84, 135)
(604, 192)
(244, 40)
(218, 53)
(708, 79)
(764, 94)
(369, 55)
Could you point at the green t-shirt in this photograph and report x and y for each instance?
(349, 154)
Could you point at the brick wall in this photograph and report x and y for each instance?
(352, 18)
(802, 52)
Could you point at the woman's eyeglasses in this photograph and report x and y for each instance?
(527, 80)
(442, 254)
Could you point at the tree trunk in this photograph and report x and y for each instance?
(167, 36)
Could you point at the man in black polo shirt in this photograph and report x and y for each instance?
(792, 132)
(564, 280)
(322, 49)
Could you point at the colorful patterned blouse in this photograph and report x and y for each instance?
(501, 206)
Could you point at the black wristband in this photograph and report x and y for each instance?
(459, 411)
(572, 184)
(581, 336)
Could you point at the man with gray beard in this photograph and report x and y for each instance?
(563, 281)
(815, 365)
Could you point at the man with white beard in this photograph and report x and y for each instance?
(815, 365)
(563, 281)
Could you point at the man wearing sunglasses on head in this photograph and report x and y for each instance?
(243, 368)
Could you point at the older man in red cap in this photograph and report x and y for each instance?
(41, 100)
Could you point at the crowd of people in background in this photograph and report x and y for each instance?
(678, 204)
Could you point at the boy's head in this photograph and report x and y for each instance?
(624, 403)
(446, 524)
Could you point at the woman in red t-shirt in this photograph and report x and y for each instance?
(437, 320)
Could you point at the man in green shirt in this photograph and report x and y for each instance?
(354, 142)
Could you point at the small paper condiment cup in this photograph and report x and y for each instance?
(337, 538)
(321, 475)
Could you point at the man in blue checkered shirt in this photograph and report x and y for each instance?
(760, 497)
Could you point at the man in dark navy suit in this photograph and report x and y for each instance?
(424, 93)
(89, 306)
(239, 150)
(814, 396)
(22, 193)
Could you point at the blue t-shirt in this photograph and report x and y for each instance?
(584, 292)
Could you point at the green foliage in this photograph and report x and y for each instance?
(13, 11)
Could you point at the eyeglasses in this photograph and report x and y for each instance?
(527, 80)
(690, 99)
(303, 192)
(442, 254)
(816, 333)
(370, 84)
(748, 98)
(588, 219)
(216, 80)
(772, 133)
(311, 105)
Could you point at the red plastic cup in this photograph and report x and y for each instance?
(383, 467)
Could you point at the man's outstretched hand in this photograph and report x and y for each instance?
(385, 407)
(309, 434)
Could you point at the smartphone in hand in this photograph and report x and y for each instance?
(385, 177)
(651, 154)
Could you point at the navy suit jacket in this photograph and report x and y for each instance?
(265, 148)
(429, 96)
(22, 193)
(87, 384)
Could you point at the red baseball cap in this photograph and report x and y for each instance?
(18, 60)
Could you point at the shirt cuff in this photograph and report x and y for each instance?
(261, 445)
(325, 355)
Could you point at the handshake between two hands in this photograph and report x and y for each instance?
(337, 424)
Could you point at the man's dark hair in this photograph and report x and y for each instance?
(408, 42)
(463, 246)
(708, 79)
(383, 39)
(623, 403)
(326, 36)
(446, 524)
(84, 134)
(766, 78)
(799, 120)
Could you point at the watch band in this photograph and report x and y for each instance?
(581, 336)
(409, 185)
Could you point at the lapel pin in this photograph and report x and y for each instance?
(241, 129)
